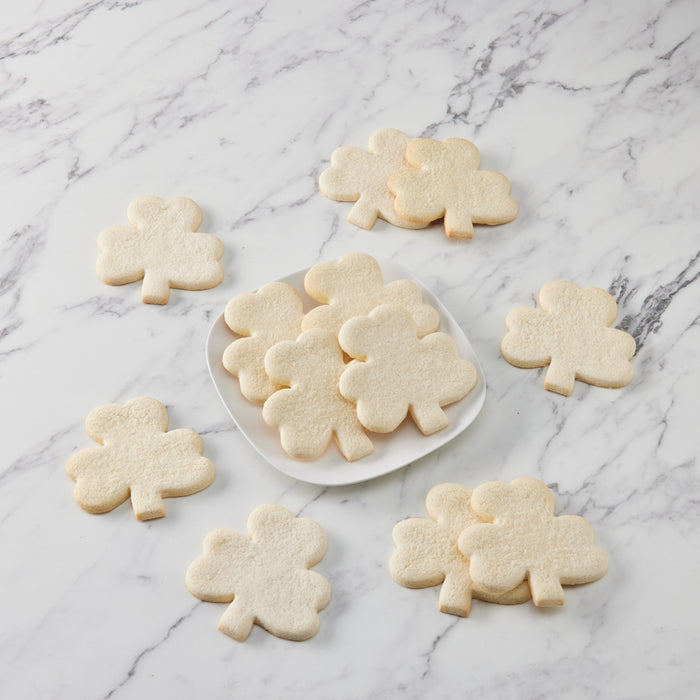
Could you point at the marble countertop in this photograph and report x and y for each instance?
(590, 109)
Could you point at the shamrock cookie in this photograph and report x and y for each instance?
(524, 541)
(444, 180)
(265, 577)
(361, 176)
(353, 286)
(137, 458)
(268, 316)
(426, 552)
(397, 372)
(571, 334)
(162, 247)
(312, 411)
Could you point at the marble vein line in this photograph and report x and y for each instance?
(48, 33)
(42, 454)
(219, 428)
(312, 500)
(428, 655)
(649, 319)
(510, 85)
(145, 652)
(265, 209)
(23, 247)
(331, 235)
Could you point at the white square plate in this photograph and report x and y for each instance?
(391, 451)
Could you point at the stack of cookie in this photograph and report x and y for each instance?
(295, 363)
(500, 543)
(411, 182)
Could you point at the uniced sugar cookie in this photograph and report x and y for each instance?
(264, 576)
(522, 540)
(361, 176)
(311, 411)
(353, 286)
(162, 247)
(137, 458)
(426, 552)
(397, 372)
(571, 334)
(445, 180)
(268, 316)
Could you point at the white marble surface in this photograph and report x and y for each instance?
(590, 108)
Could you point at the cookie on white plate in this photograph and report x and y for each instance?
(353, 286)
(266, 317)
(397, 372)
(311, 411)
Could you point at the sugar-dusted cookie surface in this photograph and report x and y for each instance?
(445, 180)
(571, 334)
(312, 411)
(524, 541)
(265, 575)
(353, 286)
(162, 247)
(356, 175)
(426, 552)
(398, 372)
(268, 316)
(137, 458)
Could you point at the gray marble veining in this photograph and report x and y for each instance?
(590, 109)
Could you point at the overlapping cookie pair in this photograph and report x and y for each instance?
(294, 363)
(411, 182)
(500, 543)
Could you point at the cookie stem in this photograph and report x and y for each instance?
(559, 378)
(546, 589)
(155, 289)
(455, 596)
(363, 214)
(236, 622)
(458, 223)
(147, 505)
(429, 417)
(353, 444)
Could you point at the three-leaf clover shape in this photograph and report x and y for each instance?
(523, 540)
(265, 576)
(163, 247)
(137, 458)
(571, 334)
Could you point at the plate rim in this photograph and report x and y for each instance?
(314, 472)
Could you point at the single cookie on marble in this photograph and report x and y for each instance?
(426, 552)
(268, 316)
(311, 412)
(522, 540)
(444, 180)
(265, 576)
(361, 176)
(396, 371)
(353, 286)
(137, 457)
(571, 334)
(162, 247)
